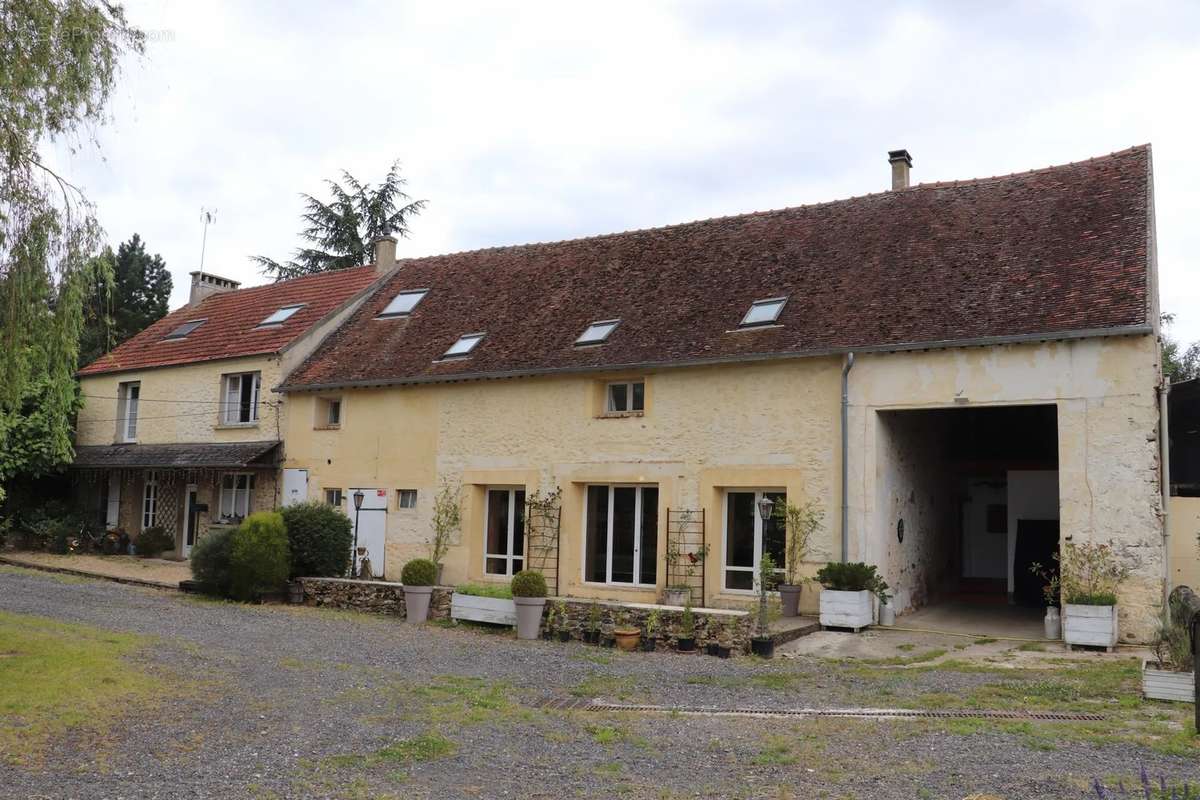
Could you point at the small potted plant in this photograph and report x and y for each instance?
(1051, 590)
(685, 562)
(529, 596)
(1089, 575)
(686, 633)
(801, 523)
(651, 628)
(626, 634)
(551, 621)
(848, 594)
(564, 621)
(418, 577)
(1169, 675)
(762, 643)
(591, 634)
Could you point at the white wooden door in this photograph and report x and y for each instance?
(371, 524)
(295, 486)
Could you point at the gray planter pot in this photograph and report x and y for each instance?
(529, 616)
(676, 597)
(1052, 623)
(416, 603)
(789, 595)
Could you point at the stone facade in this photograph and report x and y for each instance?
(375, 597)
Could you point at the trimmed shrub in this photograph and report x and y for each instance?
(419, 572)
(853, 577)
(153, 541)
(320, 538)
(529, 583)
(212, 561)
(259, 557)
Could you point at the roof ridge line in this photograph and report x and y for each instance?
(767, 212)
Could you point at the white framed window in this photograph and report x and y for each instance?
(747, 536)
(333, 497)
(504, 531)
(464, 346)
(281, 315)
(403, 304)
(150, 500)
(328, 412)
(597, 332)
(240, 405)
(128, 395)
(624, 397)
(406, 498)
(236, 488)
(621, 529)
(763, 312)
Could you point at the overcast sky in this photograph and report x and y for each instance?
(534, 122)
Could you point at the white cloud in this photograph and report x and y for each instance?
(534, 121)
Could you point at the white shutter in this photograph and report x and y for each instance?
(112, 514)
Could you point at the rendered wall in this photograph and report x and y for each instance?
(1185, 542)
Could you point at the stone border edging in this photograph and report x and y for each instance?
(16, 562)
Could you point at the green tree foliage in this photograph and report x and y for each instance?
(319, 539)
(259, 556)
(212, 562)
(132, 292)
(58, 66)
(1179, 363)
(341, 232)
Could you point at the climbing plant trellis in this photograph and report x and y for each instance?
(543, 521)
(687, 549)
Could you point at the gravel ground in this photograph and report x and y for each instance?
(298, 702)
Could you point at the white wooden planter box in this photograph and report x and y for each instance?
(1165, 684)
(483, 609)
(847, 609)
(1090, 625)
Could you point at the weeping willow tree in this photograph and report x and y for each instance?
(342, 230)
(58, 66)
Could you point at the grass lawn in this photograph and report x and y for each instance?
(58, 678)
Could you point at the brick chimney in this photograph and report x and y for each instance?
(385, 254)
(205, 283)
(901, 163)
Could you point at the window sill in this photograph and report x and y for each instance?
(327, 427)
(621, 414)
(223, 426)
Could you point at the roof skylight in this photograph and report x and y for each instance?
(403, 303)
(463, 347)
(282, 315)
(598, 332)
(763, 312)
(186, 328)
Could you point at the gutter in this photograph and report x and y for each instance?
(848, 365)
(943, 344)
(1164, 458)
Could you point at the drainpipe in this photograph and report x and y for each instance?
(846, 367)
(1164, 460)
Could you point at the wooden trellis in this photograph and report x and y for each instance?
(543, 523)
(687, 550)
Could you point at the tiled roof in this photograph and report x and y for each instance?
(231, 319)
(178, 456)
(1051, 251)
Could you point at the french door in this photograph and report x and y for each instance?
(504, 532)
(748, 537)
(622, 535)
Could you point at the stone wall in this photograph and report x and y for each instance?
(387, 597)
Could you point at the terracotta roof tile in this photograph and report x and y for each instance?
(1050, 251)
(231, 319)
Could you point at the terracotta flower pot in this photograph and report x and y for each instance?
(627, 638)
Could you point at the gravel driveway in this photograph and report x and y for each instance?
(299, 702)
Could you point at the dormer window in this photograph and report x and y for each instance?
(763, 312)
(184, 329)
(281, 316)
(597, 332)
(403, 304)
(464, 346)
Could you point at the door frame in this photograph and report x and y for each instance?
(758, 536)
(638, 538)
(185, 549)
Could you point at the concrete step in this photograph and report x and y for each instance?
(789, 629)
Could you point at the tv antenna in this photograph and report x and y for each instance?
(209, 217)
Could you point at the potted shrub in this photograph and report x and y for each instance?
(652, 627)
(447, 519)
(491, 603)
(1052, 622)
(800, 522)
(591, 634)
(685, 638)
(529, 596)
(564, 621)
(551, 620)
(762, 643)
(684, 562)
(1089, 575)
(1169, 675)
(848, 594)
(418, 577)
(626, 634)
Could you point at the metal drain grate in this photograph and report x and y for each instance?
(580, 704)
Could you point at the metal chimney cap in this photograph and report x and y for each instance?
(899, 155)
